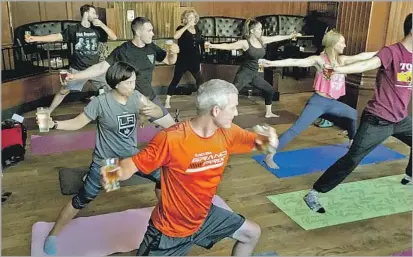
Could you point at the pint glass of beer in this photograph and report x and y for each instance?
(110, 168)
(263, 138)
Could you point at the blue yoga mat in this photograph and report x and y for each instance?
(308, 160)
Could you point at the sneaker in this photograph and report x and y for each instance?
(50, 245)
(312, 202)
(407, 180)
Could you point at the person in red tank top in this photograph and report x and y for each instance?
(193, 155)
(385, 115)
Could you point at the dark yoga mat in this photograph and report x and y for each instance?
(250, 120)
(71, 180)
(43, 144)
(308, 160)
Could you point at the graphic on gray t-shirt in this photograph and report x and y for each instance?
(116, 126)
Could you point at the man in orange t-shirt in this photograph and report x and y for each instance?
(193, 155)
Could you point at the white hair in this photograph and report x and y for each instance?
(212, 93)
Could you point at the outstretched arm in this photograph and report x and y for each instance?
(272, 39)
(91, 72)
(359, 67)
(49, 38)
(349, 59)
(306, 62)
(73, 124)
(241, 44)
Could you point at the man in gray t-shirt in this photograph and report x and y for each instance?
(116, 114)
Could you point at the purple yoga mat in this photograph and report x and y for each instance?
(405, 253)
(79, 140)
(99, 235)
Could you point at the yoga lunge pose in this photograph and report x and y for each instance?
(90, 29)
(327, 88)
(385, 115)
(193, 155)
(116, 113)
(141, 53)
(189, 58)
(253, 47)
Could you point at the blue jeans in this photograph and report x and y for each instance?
(92, 186)
(316, 106)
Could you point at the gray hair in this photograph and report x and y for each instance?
(212, 93)
(185, 15)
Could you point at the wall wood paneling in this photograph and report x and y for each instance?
(248, 9)
(31, 11)
(6, 35)
(398, 12)
(353, 23)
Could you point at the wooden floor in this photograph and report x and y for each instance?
(36, 197)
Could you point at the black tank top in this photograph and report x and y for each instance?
(251, 57)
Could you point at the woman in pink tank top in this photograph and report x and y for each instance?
(327, 88)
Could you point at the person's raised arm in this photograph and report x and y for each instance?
(148, 108)
(180, 30)
(108, 31)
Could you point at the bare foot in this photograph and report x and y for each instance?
(269, 160)
(167, 106)
(271, 115)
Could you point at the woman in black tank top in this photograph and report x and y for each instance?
(253, 47)
(189, 57)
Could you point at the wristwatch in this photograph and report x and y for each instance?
(55, 125)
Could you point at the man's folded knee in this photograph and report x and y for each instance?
(64, 91)
(248, 232)
(80, 201)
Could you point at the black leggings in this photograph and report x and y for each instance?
(179, 72)
(246, 76)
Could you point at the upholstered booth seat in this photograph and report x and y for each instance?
(40, 54)
(269, 24)
(289, 23)
(41, 29)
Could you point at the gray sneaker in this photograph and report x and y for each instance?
(312, 202)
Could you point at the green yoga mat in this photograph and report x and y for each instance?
(348, 202)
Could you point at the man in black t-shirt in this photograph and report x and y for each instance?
(141, 53)
(85, 54)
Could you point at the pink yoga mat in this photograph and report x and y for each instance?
(80, 140)
(99, 235)
(405, 253)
